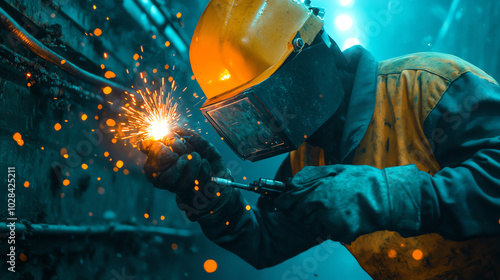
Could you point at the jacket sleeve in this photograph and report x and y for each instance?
(342, 202)
(464, 133)
(460, 201)
(261, 236)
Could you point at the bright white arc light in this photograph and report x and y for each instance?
(343, 22)
(158, 129)
(350, 42)
(345, 2)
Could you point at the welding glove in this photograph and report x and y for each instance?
(343, 202)
(185, 166)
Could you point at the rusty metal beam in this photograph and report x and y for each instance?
(447, 23)
(43, 230)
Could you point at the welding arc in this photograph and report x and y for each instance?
(44, 52)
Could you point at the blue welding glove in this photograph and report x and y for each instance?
(343, 202)
(184, 166)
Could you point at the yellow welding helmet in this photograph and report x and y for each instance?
(240, 43)
(267, 69)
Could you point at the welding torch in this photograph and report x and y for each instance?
(169, 140)
(262, 186)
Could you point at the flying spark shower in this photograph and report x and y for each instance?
(151, 117)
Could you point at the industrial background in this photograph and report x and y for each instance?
(84, 209)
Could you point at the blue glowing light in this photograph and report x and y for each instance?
(345, 2)
(343, 22)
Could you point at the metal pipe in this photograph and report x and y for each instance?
(168, 19)
(447, 22)
(44, 52)
(94, 230)
(16, 60)
(150, 18)
(161, 29)
(79, 26)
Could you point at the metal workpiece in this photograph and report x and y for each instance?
(76, 211)
(46, 53)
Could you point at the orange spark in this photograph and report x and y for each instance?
(210, 266)
(109, 75)
(152, 117)
(107, 90)
(417, 254)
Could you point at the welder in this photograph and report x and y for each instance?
(399, 160)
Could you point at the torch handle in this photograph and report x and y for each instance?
(262, 186)
(170, 142)
(189, 148)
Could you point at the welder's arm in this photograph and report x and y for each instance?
(343, 202)
(461, 201)
(260, 236)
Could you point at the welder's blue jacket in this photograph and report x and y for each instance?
(420, 150)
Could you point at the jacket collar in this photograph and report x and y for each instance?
(361, 101)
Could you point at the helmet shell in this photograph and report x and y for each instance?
(240, 43)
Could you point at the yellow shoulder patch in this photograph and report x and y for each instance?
(446, 66)
(408, 88)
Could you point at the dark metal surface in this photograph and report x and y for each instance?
(44, 52)
(104, 222)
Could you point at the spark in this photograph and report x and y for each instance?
(109, 75)
(152, 117)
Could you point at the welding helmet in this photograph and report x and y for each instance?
(268, 71)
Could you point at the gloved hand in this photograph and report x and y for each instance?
(342, 202)
(184, 166)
